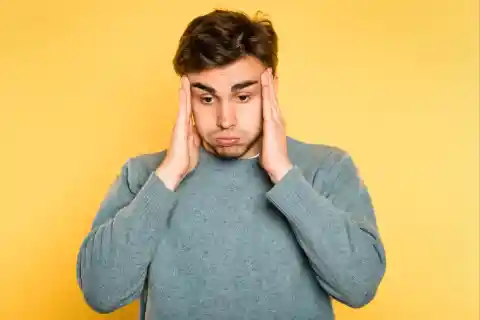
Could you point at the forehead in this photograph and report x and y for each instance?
(222, 78)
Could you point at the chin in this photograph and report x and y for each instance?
(233, 152)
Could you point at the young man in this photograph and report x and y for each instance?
(234, 220)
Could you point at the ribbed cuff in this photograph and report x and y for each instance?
(153, 203)
(294, 196)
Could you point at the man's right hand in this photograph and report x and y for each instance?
(182, 155)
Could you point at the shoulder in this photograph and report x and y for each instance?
(138, 169)
(326, 166)
(315, 156)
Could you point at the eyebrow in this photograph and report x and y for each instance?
(235, 87)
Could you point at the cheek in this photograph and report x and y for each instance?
(250, 115)
(204, 118)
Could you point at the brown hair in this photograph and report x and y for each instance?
(221, 37)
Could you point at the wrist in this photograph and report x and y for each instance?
(169, 177)
(278, 174)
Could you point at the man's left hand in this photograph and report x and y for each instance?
(274, 156)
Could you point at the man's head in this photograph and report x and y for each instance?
(223, 54)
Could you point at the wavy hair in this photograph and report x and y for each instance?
(221, 37)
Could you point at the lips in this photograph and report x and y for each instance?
(227, 141)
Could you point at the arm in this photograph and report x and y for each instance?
(114, 257)
(336, 228)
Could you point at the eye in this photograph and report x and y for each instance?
(206, 100)
(243, 98)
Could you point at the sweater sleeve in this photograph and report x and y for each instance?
(336, 228)
(114, 257)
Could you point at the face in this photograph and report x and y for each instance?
(227, 108)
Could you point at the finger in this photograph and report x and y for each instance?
(266, 101)
(273, 97)
(196, 136)
(182, 101)
(188, 96)
(193, 135)
(189, 127)
(191, 140)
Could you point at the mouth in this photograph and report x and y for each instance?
(227, 142)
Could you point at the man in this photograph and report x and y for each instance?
(234, 220)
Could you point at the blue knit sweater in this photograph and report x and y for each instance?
(229, 244)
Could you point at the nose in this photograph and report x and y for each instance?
(226, 116)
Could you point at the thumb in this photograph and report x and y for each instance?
(195, 135)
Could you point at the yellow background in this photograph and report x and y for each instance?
(84, 85)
